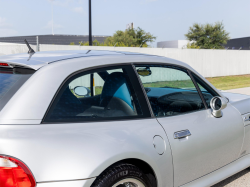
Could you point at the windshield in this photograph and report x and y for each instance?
(10, 81)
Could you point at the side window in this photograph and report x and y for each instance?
(207, 92)
(96, 95)
(86, 81)
(170, 90)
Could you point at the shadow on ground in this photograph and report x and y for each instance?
(235, 180)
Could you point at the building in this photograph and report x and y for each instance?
(179, 44)
(57, 39)
(238, 43)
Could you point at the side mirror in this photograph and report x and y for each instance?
(144, 72)
(81, 91)
(217, 104)
(227, 99)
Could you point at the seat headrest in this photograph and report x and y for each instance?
(116, 86)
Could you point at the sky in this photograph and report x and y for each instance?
(165, 19)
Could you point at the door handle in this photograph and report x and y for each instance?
(182, 134)
(247, 118)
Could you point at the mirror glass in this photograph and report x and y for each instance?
(217, 104)
(144, 72)
(81, 91)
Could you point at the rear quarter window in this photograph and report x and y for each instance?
(11, 80)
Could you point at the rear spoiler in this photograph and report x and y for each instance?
(16, 71)
(13, 65)
(21, 65)
(33, 66)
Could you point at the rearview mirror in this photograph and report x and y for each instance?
(81, 91)
(217, 104)
(144, 72)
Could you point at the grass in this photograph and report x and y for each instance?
(98, 90)
(171, 84)
(221, 83)
(230, 82)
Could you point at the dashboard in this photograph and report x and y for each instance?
(175, 101)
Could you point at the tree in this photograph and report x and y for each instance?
(131, 38)
(208, 36)
(192, 46)
(143, 38)
(128, 38)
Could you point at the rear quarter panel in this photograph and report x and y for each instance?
(59, 152)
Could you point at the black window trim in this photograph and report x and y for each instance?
(174, 66)
(135, 84)
(198, 89)
(143, 90)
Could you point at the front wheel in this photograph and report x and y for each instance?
(129, 182)
(122, 175)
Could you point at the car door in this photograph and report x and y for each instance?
(180, 102)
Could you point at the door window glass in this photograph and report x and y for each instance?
(207, 92)
(97, 95)
(170, 90)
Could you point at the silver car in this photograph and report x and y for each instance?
(116, 119)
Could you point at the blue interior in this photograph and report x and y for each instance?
(116, 86)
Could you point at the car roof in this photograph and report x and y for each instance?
(40, 59)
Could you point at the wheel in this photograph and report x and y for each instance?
(123, 175)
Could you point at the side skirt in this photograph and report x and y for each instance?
(222, 173)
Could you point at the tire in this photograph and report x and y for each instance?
(123, 175)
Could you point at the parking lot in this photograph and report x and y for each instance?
(241, 179)
(245, 91)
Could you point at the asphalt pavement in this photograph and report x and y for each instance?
(241, 179)
(245, 91)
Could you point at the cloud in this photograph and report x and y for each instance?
(4, 23)
(6, 28)
(78, 10)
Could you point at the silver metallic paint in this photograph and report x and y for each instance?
(86, 149)
(218, 112)
(159, 144)
(214, 142)
(40, 59)
(221, 174)
(83, 150)
(239, 101)
(76, 183)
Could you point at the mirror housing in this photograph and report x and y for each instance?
(217, 104)
(144, 72)
(81, 91)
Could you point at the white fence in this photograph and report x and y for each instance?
(159, 74)
(210, 63)
(13, 49)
